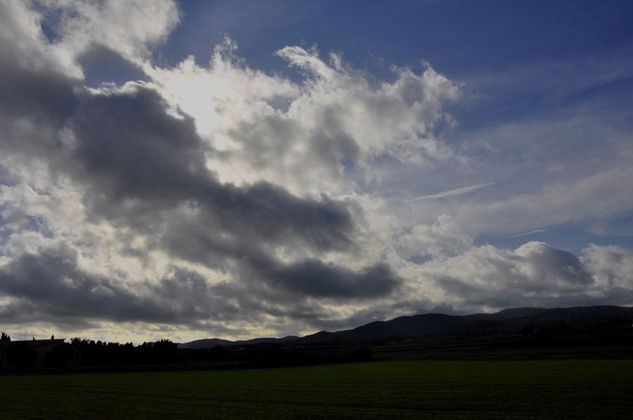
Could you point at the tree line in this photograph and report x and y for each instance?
(78, 352)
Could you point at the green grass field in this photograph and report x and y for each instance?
(412, 389)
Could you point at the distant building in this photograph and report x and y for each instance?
(4, 345)
(39, 347)
(39, 344)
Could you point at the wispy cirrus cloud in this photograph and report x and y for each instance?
(528, 233)
(451, 193)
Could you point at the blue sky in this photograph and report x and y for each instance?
(236, 169)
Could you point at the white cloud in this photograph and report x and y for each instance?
(130, 27)
(442, 238)
(221, 94)
(611, 266)
(487, 278)
(21, 27)
(318, 134)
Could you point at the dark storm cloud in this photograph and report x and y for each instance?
(101, 65)
(49, 285)
(23, 311)
(30, 86)
(52, 285)
(52, 281)
(305, 278)
(128, 147)
(316, 278)
(42, 95)
(34, 104)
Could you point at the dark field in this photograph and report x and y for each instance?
(434, 389)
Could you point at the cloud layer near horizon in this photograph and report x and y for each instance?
(223, 200)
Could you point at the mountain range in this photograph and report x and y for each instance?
(517, 327)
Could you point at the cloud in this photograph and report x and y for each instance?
(534, 274)
(134, 175)
(314, 278)
(321, 132)
(442, 238)
(129, 27)
(611, 266)
(134, 169)
(49, 285)
(138, 160)
(134, 159)
(520, 234)
(102, 65)
(452, 193)
(51, 282)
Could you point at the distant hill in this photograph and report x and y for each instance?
(439, 327)
(432, 328)
(207, 343)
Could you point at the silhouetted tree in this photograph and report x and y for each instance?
(5, 337)
(91, 353)
(164, 351)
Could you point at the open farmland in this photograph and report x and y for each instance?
(438, 389)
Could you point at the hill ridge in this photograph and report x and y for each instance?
(435, 327)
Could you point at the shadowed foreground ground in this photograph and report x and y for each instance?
(444, 389)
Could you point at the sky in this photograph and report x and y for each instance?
(242, 169)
